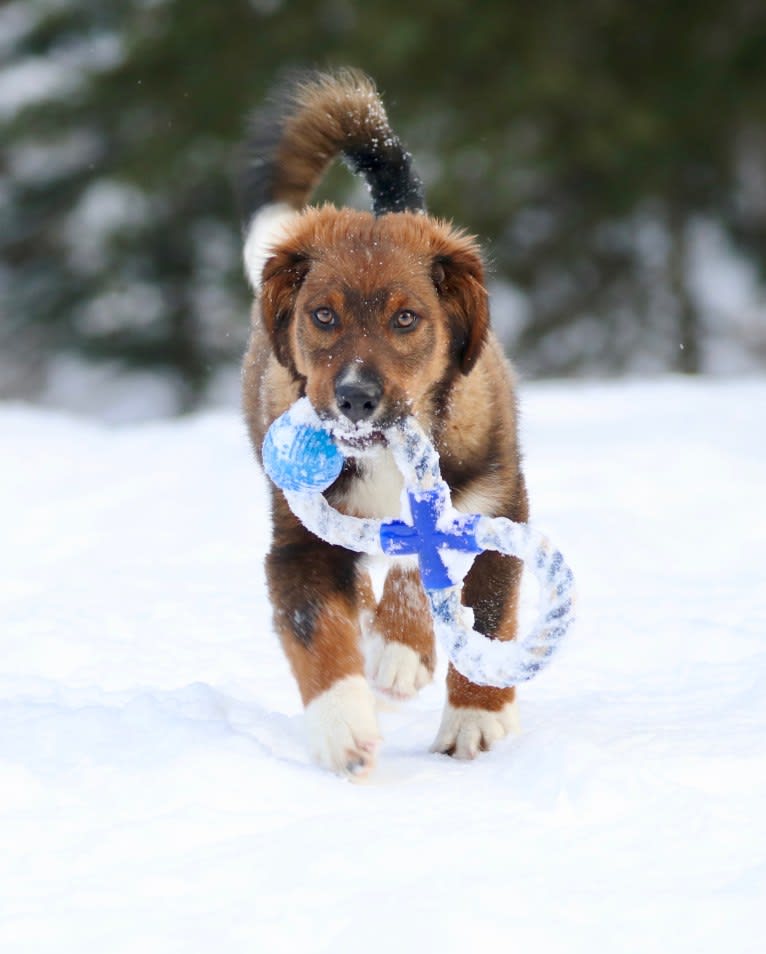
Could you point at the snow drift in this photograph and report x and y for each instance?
(155, 793)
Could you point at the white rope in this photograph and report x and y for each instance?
(296, 451)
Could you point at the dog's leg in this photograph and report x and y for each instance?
(477, 716)
(313, 591)
(401, 641)
(367, 603)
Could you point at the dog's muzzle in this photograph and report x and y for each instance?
(358, 392)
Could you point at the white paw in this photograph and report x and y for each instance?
(395, 669)
(465, 732)
(342, 728)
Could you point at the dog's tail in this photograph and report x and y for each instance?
(307, 123)
(310, 121)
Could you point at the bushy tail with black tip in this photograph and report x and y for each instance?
(308, 122)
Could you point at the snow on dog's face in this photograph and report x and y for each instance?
(376, 315)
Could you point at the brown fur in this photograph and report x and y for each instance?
(355, 264)
(403, 616)
(449, 371)
(327, 114)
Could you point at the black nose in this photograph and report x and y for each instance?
(358, 397)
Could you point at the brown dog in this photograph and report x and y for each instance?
(374, 317)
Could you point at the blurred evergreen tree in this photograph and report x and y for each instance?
(580, 141)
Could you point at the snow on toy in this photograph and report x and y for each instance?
(303, 459)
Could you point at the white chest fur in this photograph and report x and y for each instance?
(377, 490)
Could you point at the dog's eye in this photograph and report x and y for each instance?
(324, 317)
(404, 320)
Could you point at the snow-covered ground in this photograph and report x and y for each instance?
(155, 795)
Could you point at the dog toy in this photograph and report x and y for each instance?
(303, 459)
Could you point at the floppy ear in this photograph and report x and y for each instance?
(459, 278)
(283, 275)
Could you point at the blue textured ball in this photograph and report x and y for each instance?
(300, 458)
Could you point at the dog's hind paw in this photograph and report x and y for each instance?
(395, 668)
(343, 729)
(464, 732)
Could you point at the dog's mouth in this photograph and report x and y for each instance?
(357, 437)
(367, 436)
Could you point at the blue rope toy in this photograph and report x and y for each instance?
(302, 458)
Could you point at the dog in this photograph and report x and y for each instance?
(374, 316)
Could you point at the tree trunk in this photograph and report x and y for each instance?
(688, 356)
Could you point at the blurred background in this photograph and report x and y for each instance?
(611, 156)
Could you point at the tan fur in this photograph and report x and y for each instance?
(403, 615)
(463, 693)
(356, 249)
(449, 372)
(366, 595)
(368, 254)
(334, 653)
(327, 114)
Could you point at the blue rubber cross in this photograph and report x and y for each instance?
(425, 540)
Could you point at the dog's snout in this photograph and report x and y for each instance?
(358, 397)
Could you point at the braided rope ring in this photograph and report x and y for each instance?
(301, 457)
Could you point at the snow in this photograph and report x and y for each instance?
(155, 790)
(57, 74)
(729, 294)
(106, 390)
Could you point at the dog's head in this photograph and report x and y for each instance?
(378, 316)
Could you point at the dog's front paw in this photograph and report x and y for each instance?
(343, 729)
(395, 668)
(464, 732)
